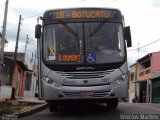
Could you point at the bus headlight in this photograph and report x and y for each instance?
(52, 82)
(120, 80)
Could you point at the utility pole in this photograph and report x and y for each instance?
(15, 57)
(17, 40)
(26, 46)
(2, 42)
(34, 69)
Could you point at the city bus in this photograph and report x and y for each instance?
(82, 56)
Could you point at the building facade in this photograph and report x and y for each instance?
(147, 82)
(23, 79)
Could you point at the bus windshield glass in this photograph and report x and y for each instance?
(83, 43)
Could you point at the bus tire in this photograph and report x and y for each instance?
(112, 103)
(53, 107)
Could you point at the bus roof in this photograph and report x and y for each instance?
(82, 8)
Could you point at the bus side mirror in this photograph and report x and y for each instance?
(127, 36)
(38, 31)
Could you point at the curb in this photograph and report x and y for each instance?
(32, 111)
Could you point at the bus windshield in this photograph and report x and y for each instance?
(83, 43)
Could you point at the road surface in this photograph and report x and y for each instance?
(125, 111)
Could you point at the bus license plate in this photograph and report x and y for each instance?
(86, 93)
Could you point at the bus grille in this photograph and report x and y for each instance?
(85, 74)
(78, 94)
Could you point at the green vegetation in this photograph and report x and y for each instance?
(5, 108)
(11, 107)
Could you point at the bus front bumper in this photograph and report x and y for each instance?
(89, 92)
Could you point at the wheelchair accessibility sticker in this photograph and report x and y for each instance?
(91, 58)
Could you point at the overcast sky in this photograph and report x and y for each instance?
(143, 16)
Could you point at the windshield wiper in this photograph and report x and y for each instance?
(71, 31)
(68, 28)
(97, 28)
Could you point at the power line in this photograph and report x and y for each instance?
(11, 36)
(27, 16)
(131, 57)
(145, 45)
(32, 16)
(28, 24)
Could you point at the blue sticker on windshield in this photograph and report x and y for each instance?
(91, 58)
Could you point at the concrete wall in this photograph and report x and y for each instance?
(145, 76)
(132, 84)
(5, 91)
(18, 82)
(7, 71)
(155, 62)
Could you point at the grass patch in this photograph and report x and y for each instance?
(16, 108)
(5, 108)
(8, 108)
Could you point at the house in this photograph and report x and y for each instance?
(23, 79)
(7, 72)
(147, 82)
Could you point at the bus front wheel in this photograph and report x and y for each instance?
(112, 103)
(53, 107)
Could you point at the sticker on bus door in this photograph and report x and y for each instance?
(52, 53)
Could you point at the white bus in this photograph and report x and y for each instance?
(82, 56)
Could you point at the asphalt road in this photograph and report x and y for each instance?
(125, 111)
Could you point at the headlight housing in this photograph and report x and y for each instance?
(52, 82)
(120, 80)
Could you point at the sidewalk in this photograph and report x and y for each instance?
(26, 106)
(30, 100)
(34, 105)
(155, 106)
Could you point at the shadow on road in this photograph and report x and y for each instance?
(84, 109)
(78, 111)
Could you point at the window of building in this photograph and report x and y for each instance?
(141, 73)
(145, 64)
(148, 71)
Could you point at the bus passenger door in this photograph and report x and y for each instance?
(39, 58)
